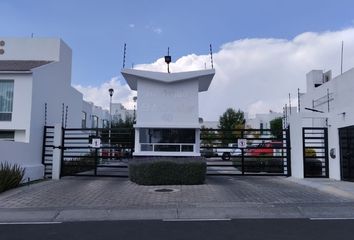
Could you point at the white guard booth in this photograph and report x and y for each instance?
(167, 122)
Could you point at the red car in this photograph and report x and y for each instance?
(266, 149)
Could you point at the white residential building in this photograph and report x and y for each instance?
(35, 90)
(119, 112)
(328, 103)
(262, 121)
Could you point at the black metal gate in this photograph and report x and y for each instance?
(315, 149)
(346, 143)
(47, 150)
(246, 152)
(96, 152)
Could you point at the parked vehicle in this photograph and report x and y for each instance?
(227, 153)
(208, 152)
(266, 149)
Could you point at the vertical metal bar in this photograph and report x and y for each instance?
(125, 48)
(96, 156)
(303, 151)
(288, 151)
(45, 114)
(44, 145)
(66, 115)
(289, 104)
(242, 154)
(341, 59)
(211, 56)
(298, 99)
(328, 99)
(63, 132)
(325, 131)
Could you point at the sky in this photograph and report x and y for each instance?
(262, 48)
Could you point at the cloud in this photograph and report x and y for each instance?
(255, 75)
(154, 29)
(132, 25)
(100, 96)
(157, 30)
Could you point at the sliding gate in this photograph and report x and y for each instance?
(246, 151)
(96, 152)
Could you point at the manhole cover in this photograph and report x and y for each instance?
(164, 190)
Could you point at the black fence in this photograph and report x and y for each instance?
(246, 151)
(96, 152)
(315, 149)
(47, 150)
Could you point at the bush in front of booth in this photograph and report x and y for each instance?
(167, 171)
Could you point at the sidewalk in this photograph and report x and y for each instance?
(85, 199)
(335, 187)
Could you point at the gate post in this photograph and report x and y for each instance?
(296, 148)
(57, 151)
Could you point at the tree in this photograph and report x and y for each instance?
(231, 120)
(276, 127)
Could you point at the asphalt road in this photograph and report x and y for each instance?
(282, 229)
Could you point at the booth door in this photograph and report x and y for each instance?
(346, 143)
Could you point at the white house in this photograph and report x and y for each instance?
(35, 90)
(328, 103)
(94, 116)
(167, 122)
(119, 112)
(262, 120)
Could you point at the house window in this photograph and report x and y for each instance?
(7, 135)
(6, 99)
(94, 121)
(83, 120)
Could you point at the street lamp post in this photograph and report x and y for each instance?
(111, 91)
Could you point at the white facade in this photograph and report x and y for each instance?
(333, 98)
(167, 107)
(262, 121)
(40, 70)
(94, 116)
(119, 112)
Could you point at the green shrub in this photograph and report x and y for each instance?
(167, 171)
(10, 176)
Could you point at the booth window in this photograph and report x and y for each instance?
(167, 139)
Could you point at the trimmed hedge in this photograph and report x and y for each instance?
(10, 176)
(167, 171)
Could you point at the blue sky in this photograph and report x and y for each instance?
(97, 29)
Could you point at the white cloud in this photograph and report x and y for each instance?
(100, 96)
(157, 30)
(255, 75)
(132, 25)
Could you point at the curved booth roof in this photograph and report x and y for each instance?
(204, 77)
